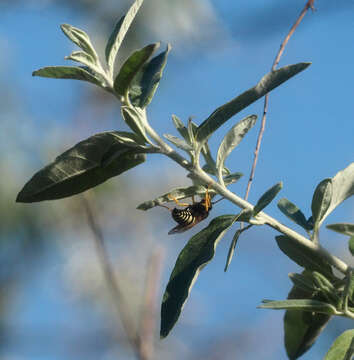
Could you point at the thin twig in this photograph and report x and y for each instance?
(111, 280)
(149, 307)
(309, 5)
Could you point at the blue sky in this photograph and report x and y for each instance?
(309, 137)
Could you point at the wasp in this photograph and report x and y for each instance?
(191, 215)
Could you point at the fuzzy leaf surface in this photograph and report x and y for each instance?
(292, 212)
(81, 39)
(146, 81)
(232, 139)
(177, 193)
(342, 188)
(265, 85)
(67, 72)
(300, 305)
(351, 245)
(82, 57)
(180, 127)
(303, 281)
(342, 228)
(116, 38)
(267, 198)
(231, 251)
(231, 178)
(301, 328)
(82, 167)
(183, 193)
(135, 119)
(132, 66)
(180, 143)
(321, 200)
(342, 348)
(199, 250)
(303, 256)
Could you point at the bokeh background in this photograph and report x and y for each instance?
(54, 303)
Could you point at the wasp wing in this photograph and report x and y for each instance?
(180, 228)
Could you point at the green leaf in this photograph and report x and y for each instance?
(135, 119)
(343, 228)
(315, 282)
(321, 200)
(81, 39)
(177, 193)
(187, 192)
(310, 223)
(226, 111)
(300, 305)
(351, 245)
(303, 281)
(230, 254)
(292, 212)
(128, 139)
(342, 348)
(199, 250)
(267, 198)
(231, 178)
(190, 130)
(342, 188)
(325, 287)
(210, 162)
(322, 282)
(301, 328)
(180, 143)
(212, 170)
(231, 140)
(350, 286)
(210, 166)
(243, 214)
(180, 127)
(82, 57)
(146, 81)
(118, 34)
(67, 72)
(82, 167)
(303, 256)
(131, 67)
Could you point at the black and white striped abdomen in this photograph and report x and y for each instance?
(182, 216)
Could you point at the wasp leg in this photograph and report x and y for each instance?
(176, 201)
(207, 199)
(193, 199)
(164, 206)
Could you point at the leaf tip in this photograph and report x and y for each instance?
(141, 207)
(18, 197)
(64, 27)
(22, 198)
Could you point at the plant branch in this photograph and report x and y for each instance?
(149, 310)
(308, 5)
(263, 218)
(111, 281)
(268, 220)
